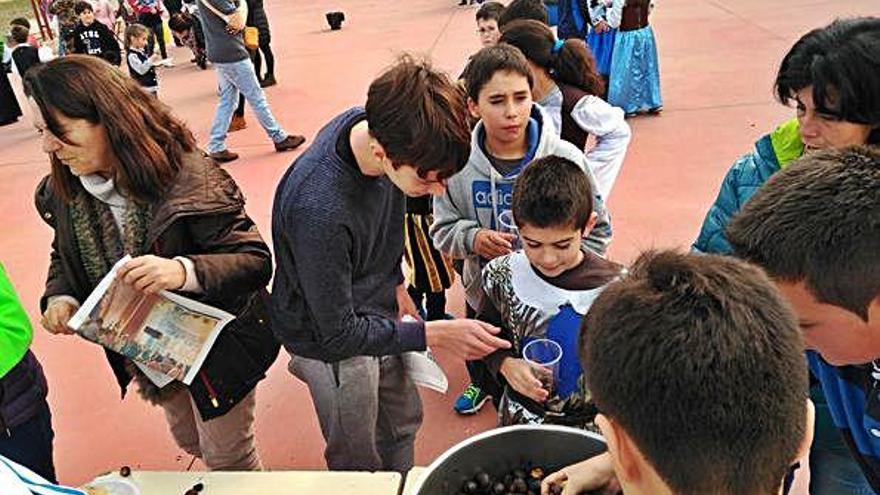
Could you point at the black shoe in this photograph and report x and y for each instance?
(289, 143)
(462, 3)
(267, 81)
(224, 156)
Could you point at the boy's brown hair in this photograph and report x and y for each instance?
(420, 118)
(700, 361)
(19, 34)
(490, 11)
(83, 6)
(552, 192)
(491, 59)
(818, 221)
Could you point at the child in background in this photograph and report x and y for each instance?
(21, 21)
(635, 67)
(487, 22)
(511, 133)
(574, 19)
(141, 67)
(188, 30)
(523, 9)
(105, 12)
(601, 40)
(697, 368)
(487, 28)
(543, 292)
(24, 55)
(94, 38)
(65, 13)
(568, 87)
(430, 273)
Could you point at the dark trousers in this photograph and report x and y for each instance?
(270, 58)
(434, 302)
(154, 23)
(30, 444)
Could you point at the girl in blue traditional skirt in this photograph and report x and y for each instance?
(635, 70)
(601, 40)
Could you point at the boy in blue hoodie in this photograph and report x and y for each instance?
(512, 132)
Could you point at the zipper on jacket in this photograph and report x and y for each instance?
(211, 392)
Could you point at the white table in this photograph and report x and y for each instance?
(266, 483)
(412, 478)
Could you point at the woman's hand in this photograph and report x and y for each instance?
(521, 377)
(150, 274)
(57, 315)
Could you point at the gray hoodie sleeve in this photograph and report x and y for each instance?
(600, 237)
(452, 231)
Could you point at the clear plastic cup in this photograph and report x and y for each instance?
(544, 356)
(508, 226)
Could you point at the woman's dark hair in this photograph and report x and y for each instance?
(842, 63)
(491, 60)
(572, 64)
(149, 142)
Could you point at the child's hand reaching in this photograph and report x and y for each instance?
(155, 58)
(491, 244)
(521, 377)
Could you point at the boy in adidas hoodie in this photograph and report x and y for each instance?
(512, 132)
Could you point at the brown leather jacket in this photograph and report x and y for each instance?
(201, 217)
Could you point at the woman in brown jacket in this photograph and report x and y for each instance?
(127, 179)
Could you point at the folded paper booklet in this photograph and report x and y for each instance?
(166, 335)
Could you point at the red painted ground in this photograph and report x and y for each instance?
(717, 60)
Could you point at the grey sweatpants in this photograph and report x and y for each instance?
(368, 408)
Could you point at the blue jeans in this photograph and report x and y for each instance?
(232, 78)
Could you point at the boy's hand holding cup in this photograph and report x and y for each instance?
(520, 375)
(543, 357)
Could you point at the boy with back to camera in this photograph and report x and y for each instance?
(512, 132)
(696, 366)
(543, 292)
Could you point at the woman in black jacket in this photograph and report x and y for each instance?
(127, 178)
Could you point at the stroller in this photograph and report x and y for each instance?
(187, 29)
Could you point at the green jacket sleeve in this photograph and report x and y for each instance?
(15, 327)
